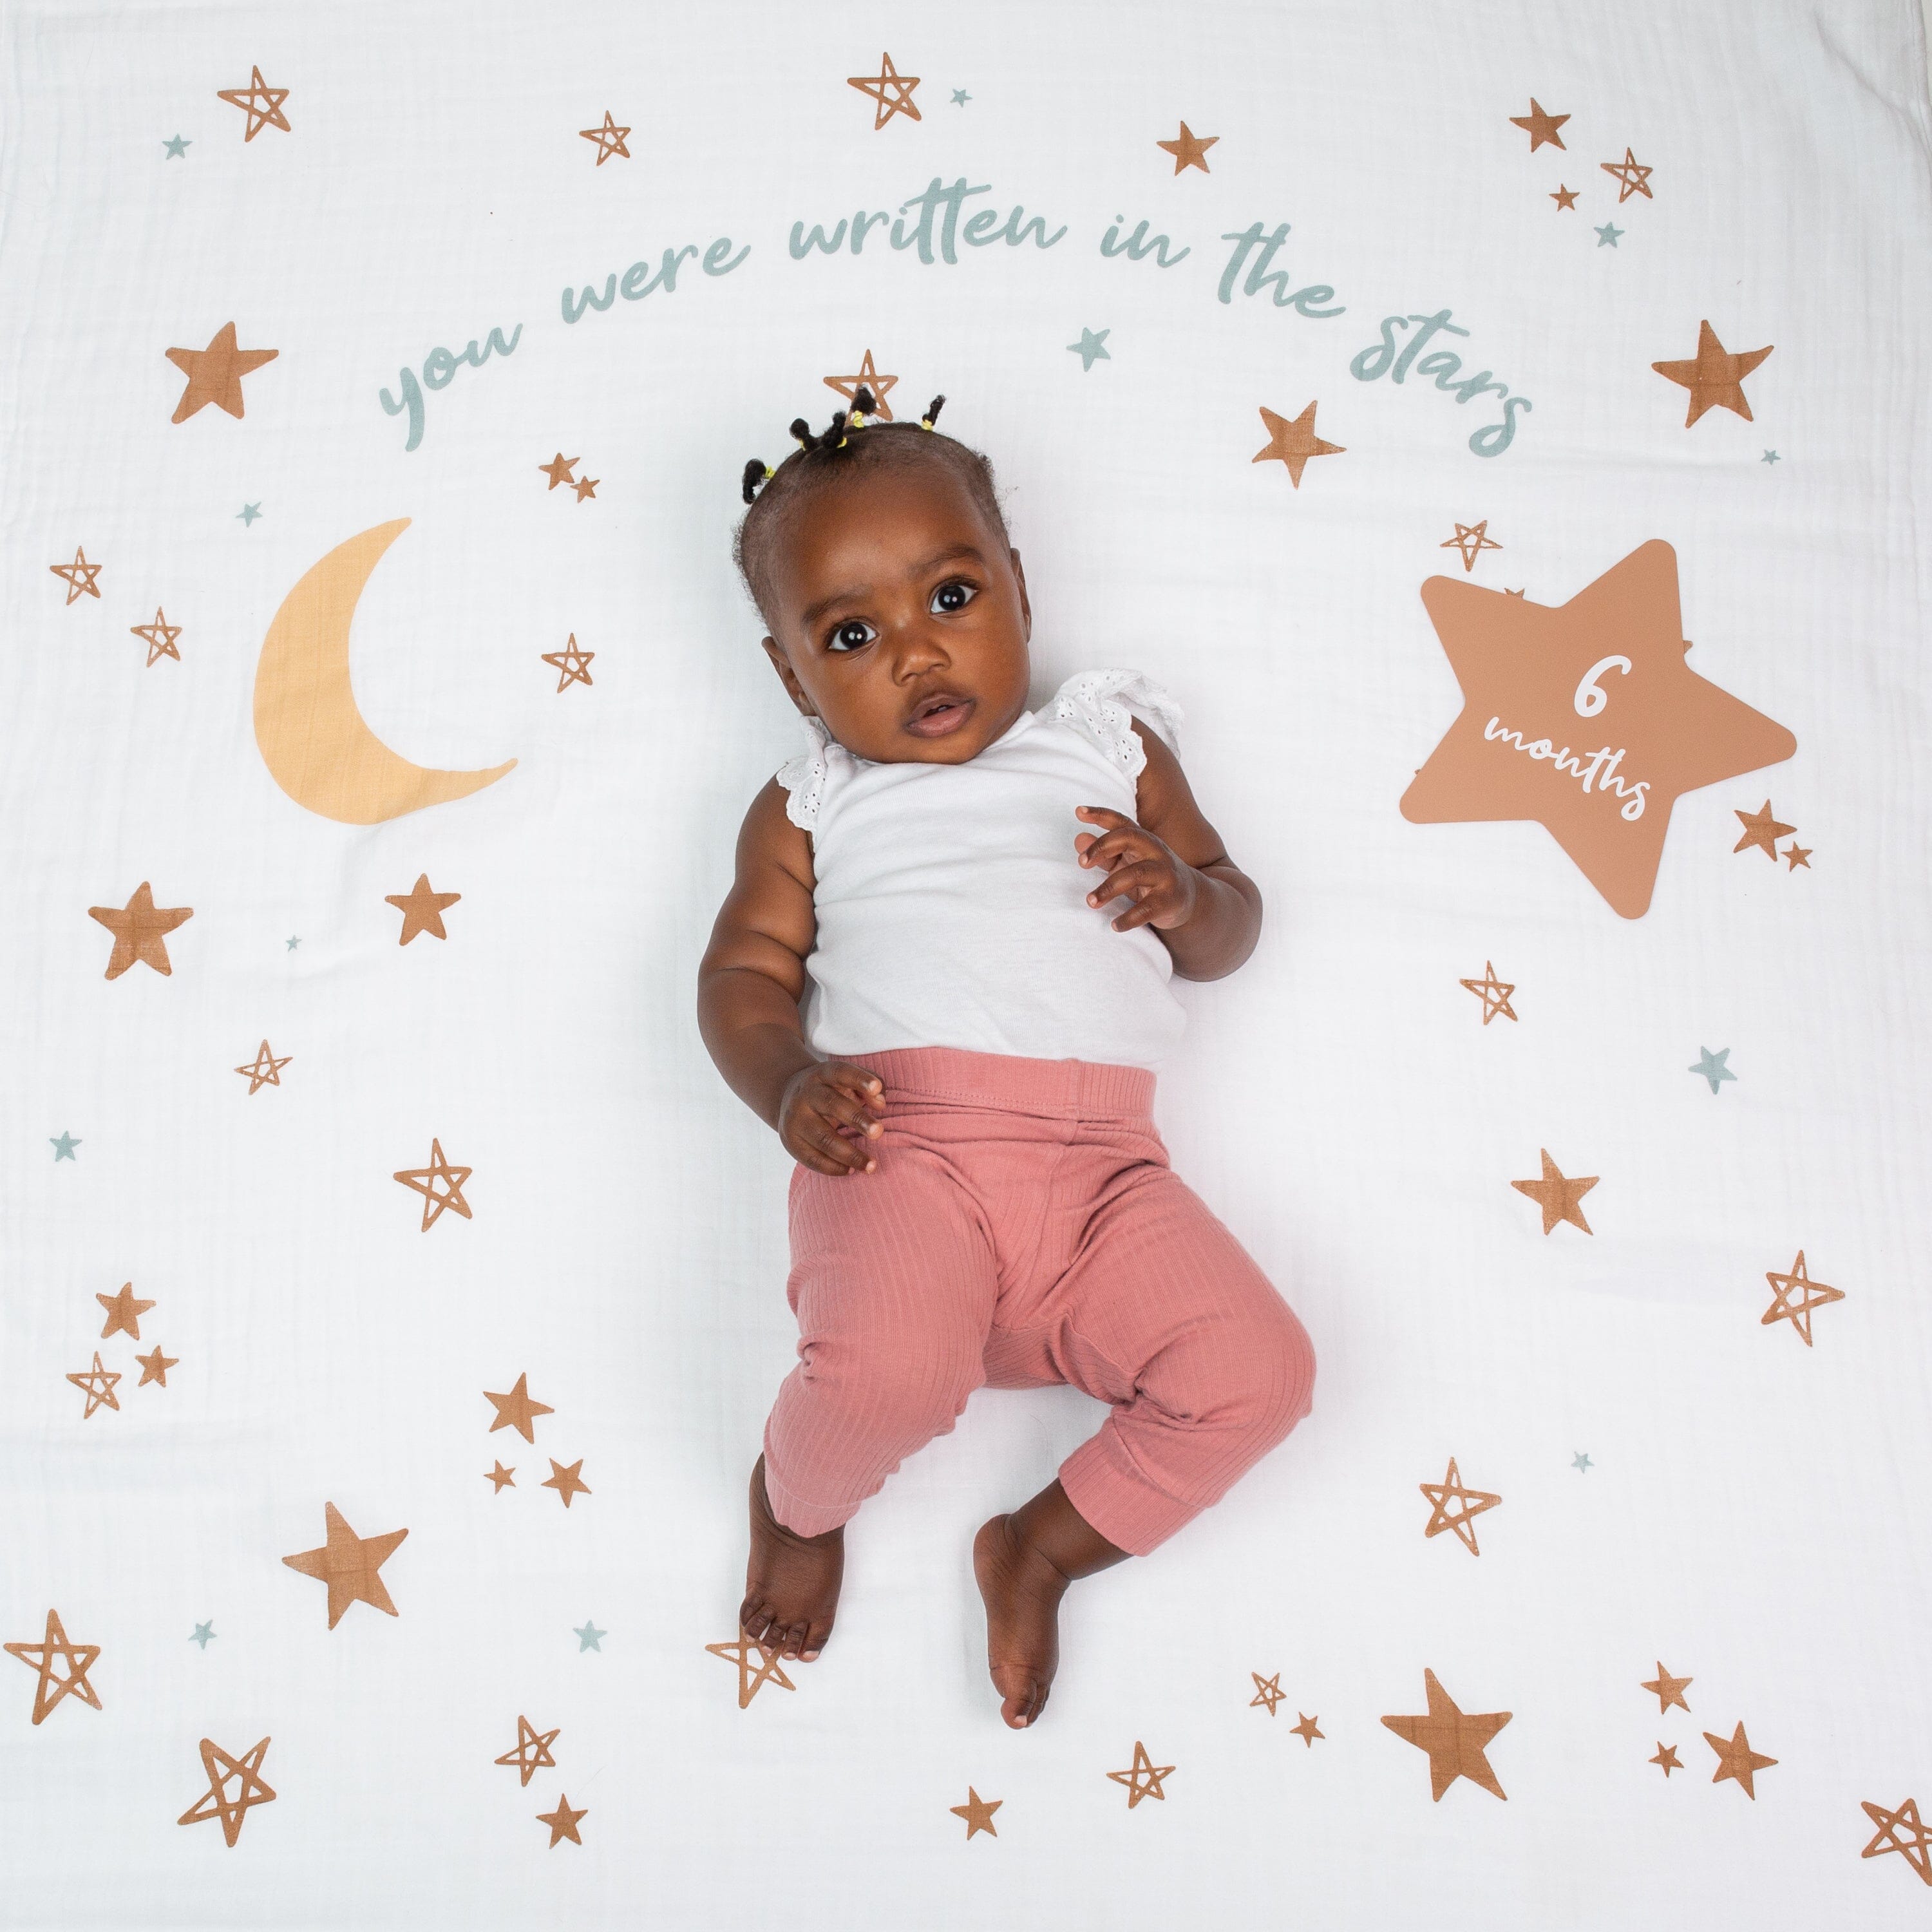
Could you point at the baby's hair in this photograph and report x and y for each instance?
(853, 443)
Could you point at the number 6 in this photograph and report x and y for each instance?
(1590, 698)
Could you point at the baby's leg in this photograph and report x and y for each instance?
(893, 1281)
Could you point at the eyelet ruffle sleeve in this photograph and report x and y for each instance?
(803, 777)
(1099, 704)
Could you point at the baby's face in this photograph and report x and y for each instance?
(894, 593)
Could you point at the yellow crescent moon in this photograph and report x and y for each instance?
(312, 739)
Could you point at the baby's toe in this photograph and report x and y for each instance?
(814, 1638)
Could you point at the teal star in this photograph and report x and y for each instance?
(590, 1637)
(960, 97)
(293, 944)
(1091, 346)
(63, 1148)
(1580, 1461)
(1608, 233)
(177, 149)
(1712, 1067)
(248, 513)
(1769, 456)
(203, 1632)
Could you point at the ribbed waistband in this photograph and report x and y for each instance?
(1068, 1089)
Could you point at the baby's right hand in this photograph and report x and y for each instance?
(818, 1101)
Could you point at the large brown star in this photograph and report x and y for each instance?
(978, 1813)
(567, 1483)
(124, 1311)
(1293, 443)
(422, 909)
(262, 104)
(348, 1564)
(1605, 674)
(563, 1822)
(214, 373)
(1557, 1195)
(1189, 150)
(1761, 829)
(1454, 1738)
(1469, 1503)
(424, 1180)
(1714, 376)
(1669, 1689)
(215, 1802)
(1540, 127)
(139, 928)
(1736, 1759)
(518, 1409)
(559, 468)
(891, 91)
(77, 1657)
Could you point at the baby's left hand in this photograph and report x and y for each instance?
(1163, 886)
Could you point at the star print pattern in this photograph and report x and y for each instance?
(977, 1812)
(160, 636)
(867, 378)
(769, 1670)
(1761, 830)
(1916, 1848)
(98, 1382)
(1540, 127)
(1715, 377)
(265, 1069)
(1558, 1195)
(1142, 1777)
(1456, 1740)
(1293, 443)
(426, 1181)
(140, 929)
(562, 1822)
(214, 373)
(1188, 149)
(891, 91)
(566, 1482)
(518, 1410)
(1736, 1759)
(80, 575)
(124, 1313)
(1667, 1689)
(422, 909)
(350, 1565)
(573, 666)
(531, 1752)
(1494, 993)
(216, 1802)
(1811, 1295)
(262, 104)
(1469, 1503)
(155, 1368)
(1632, 176)
(1268, 1691)
(609, 139)
(1472, 539)
(76, 1660)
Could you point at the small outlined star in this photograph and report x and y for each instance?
(977, 1812)
(589, 1638)
(99, 1383)
(1268, 1691)
(1494, 993)
(1667, 1689)
(563, 1822)
(769, 1670)
(503, 1478)
(1472, 539)
(1712, 1067)
(1189, 150)
(960, 97)
(1091, 347)
(265, 1069)
(422, 909)
(867, 378)
(567, 1483)
(124, 1311)
(63, 1148)
(262, 104)
(1886, 1839)
(586, 487)
(202, 1633)
(1813, 1293)
(140, 929)
(1761, 829)
(1609, 235)
(214, 373)
(891, 91)
(518, 1409)
(558, 469)
(1736, 1759)
(1580, 1462)
(1796, 855)
(1539, 126)
(1564, 197)
(79, 574)
(610, 139)
(247, 515)
(177, 149)
(1293, 443)
(424, 1180)
(573, 665)
(1714, 376)
(531, 1752)
(78, 1657)
(1634, 177)
(1142, 1777)
(1472, 1502)
(160, 636)
(155, 1367)
(215, 1802)
(1557, 1195)
(1770, 456)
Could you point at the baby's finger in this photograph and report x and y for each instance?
(849, 1154)
(1128, 880)
(844, 1108)
(860, 1080)
(818, 1148)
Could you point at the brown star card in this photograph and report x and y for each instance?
(769, 1670)
(1585, 717)
(1714, 376)
(1454, 1739)
(215, 1802)
(76, 1658)
(140, 929)
(214, 373)
(1292, 443)
(348, 1564)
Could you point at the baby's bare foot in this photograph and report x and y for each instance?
(1022, 1590)
(791, 1582)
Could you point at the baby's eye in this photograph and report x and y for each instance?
(839, 641)
(967, 593)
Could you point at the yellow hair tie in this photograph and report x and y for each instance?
(768, 472)
(926, 422)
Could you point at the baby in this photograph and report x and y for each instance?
(981, 1197)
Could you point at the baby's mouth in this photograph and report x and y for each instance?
(942, 712)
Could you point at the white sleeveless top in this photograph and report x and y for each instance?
(952, 905)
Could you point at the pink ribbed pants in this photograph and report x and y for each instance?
(1023, 1228)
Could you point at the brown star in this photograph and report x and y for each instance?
(160, 636)
(518, 1410)
(139, 928)
(214, 373)
(1540, 127)
(1293, 443)
(867, 378)
(1886, 1839)
(531, 1752)
(1454, 1740)
(422, 909)
(1796, 855)
(1143, 1777)
(1812, 1294)
(573, 665)
(1714, 376)
(1268, 1691)
(78, 1657)
(1761, 829)
(262, 104)
(559, 468)
(1308, 1730)
(348, 1564)
(563, 1822)
(1666, 1756)
(586, 487)
(79, 575)
(1668, 1689)
(1473, 1501)
(1472, 539)
(501, 1477)
(891, 91)
(769, 1670)
(1557, 1196)
(1564, 197)
(1736, 1759)
(99, 1383)
(155, 1367)
(978, 1813)
(424, 1180)
(610, 139)
(1494, 993)
(215, 1802)
(265, 1069)
(124, 1311)
(1634, 177)
(566, 1482)
(1189, 150)
(1609, 668)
